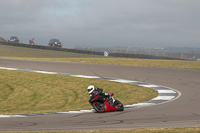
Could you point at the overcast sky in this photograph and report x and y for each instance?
(145, 23)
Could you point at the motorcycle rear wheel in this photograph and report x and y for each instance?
(99, 107)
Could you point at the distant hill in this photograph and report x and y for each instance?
(2, 39)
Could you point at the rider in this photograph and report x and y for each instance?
(97, 91)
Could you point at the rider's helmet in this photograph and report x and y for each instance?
(90, 89)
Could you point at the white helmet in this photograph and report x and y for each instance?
(90, 89)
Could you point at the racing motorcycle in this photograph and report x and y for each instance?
(105, 104)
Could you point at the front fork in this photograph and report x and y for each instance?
(113, 100)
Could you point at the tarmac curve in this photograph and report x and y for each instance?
(182, 112)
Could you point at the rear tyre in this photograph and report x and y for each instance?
(99, 107)
(119, 105)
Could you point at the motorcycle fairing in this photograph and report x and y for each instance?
(109, 107)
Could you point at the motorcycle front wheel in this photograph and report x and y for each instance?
(99, 107)
(119, 105)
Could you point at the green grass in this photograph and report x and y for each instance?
(148, 130)
(35, 54)
(28, 92)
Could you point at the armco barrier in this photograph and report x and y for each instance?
(124, 55)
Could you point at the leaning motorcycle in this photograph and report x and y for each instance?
(109, 104)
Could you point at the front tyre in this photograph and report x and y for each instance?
(99, 107)
(119, 105)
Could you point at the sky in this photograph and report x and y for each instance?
(100, 23)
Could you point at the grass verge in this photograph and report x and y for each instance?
(28, 92)
(152, 130)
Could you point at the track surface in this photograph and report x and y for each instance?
(183, 112)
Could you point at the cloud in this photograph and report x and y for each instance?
(103, 22)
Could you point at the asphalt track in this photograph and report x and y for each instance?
(183, 112)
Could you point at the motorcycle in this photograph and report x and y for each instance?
(107, 104)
